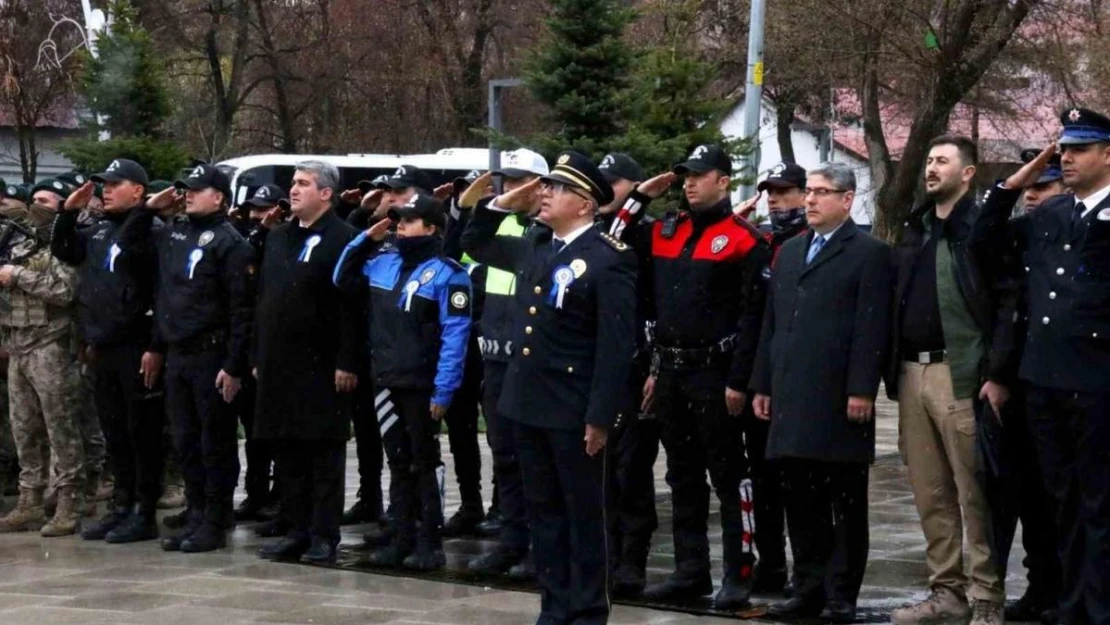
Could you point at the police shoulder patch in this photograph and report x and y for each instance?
(613, 242)
(458, 300)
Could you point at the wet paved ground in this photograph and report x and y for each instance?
(69, 581)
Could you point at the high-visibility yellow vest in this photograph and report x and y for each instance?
(499, 281)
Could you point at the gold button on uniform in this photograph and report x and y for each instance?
(528, 330)
(537, 290)
(532, 310)
(526, 351)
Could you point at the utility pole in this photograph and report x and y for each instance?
(753, 97)
(496, 87)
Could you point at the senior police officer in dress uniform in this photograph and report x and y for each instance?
(574, 330)
(1065, 250)
(115, 290)
(204, 312)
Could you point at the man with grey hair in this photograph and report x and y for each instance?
(828, 306)
(310, 344)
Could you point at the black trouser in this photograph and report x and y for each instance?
(260, 454)
(826, 509)
(204, 432)
(1015, 490)
(1072, 433)
(700, 435)
(415, 467)
(132, 418)
(767, 503)
(369, 401)
(312, 487)
(632, 448)
(501, 436)
(462, 429)
(564, 491)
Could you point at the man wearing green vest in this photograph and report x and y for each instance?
(943, 371)
(518, 168)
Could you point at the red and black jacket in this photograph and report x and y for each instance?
(708, 281)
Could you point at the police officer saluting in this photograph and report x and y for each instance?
(203, 312)
(574, 336)
(1065, 249)
(115, 289)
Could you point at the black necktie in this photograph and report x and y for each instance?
(1077, 214)
(557, 245)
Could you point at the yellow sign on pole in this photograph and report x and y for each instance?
(759, 73)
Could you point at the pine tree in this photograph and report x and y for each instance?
(125, 88)
(581, 72)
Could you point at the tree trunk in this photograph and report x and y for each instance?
(784, 118)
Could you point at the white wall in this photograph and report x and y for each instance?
(806, 153)
(51, 162)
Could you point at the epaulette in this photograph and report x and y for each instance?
(452, 263)
(613, 242)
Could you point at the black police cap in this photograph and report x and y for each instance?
(73, 178)
(366, 186)
(267, 196)
(423, 207)
(409, 176)
(784, 176)
(619, 166)
(56, 186)
(463, 182)
(1083, 126)
(205, 176)
(705, 158)
(578, 171)
(122, 169)
(16, 192)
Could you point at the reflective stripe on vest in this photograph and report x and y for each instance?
(499, 281)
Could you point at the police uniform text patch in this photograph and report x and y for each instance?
(458, 299)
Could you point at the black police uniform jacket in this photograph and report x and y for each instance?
(991, 305)
(1066, 290)
(115, 290)
(205, 285)
(305, 329)
(569, 364)
(824, 338)
(708, 273)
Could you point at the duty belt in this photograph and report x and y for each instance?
(676, 358)
(926, 358)
(203, 342)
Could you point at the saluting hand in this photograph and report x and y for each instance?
(747, 207)
(345, 381)
(761, 405)
(378, 231)
(1030, 171)
(162, 200)
(477, 190)
(657, 186)
(443, 191)
(371, 200)
(521, 199)
(860, 409)
(351, 196)
(6, 274)
(79, 199)
(596, 438)
(150, 368)
(272, 218)
(228, 385)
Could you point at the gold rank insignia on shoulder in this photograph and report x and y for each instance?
(613, 243)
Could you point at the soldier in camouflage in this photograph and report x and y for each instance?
(37, 331)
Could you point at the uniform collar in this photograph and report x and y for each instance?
(1094, 199)
(320, 224)
(567, 240)
(207, 221)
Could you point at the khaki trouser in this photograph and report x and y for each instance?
(937, 441)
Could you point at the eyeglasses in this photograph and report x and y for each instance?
(822, 192)
(560, 187)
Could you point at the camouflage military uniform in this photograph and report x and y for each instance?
(42, 372)
(9, 462)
